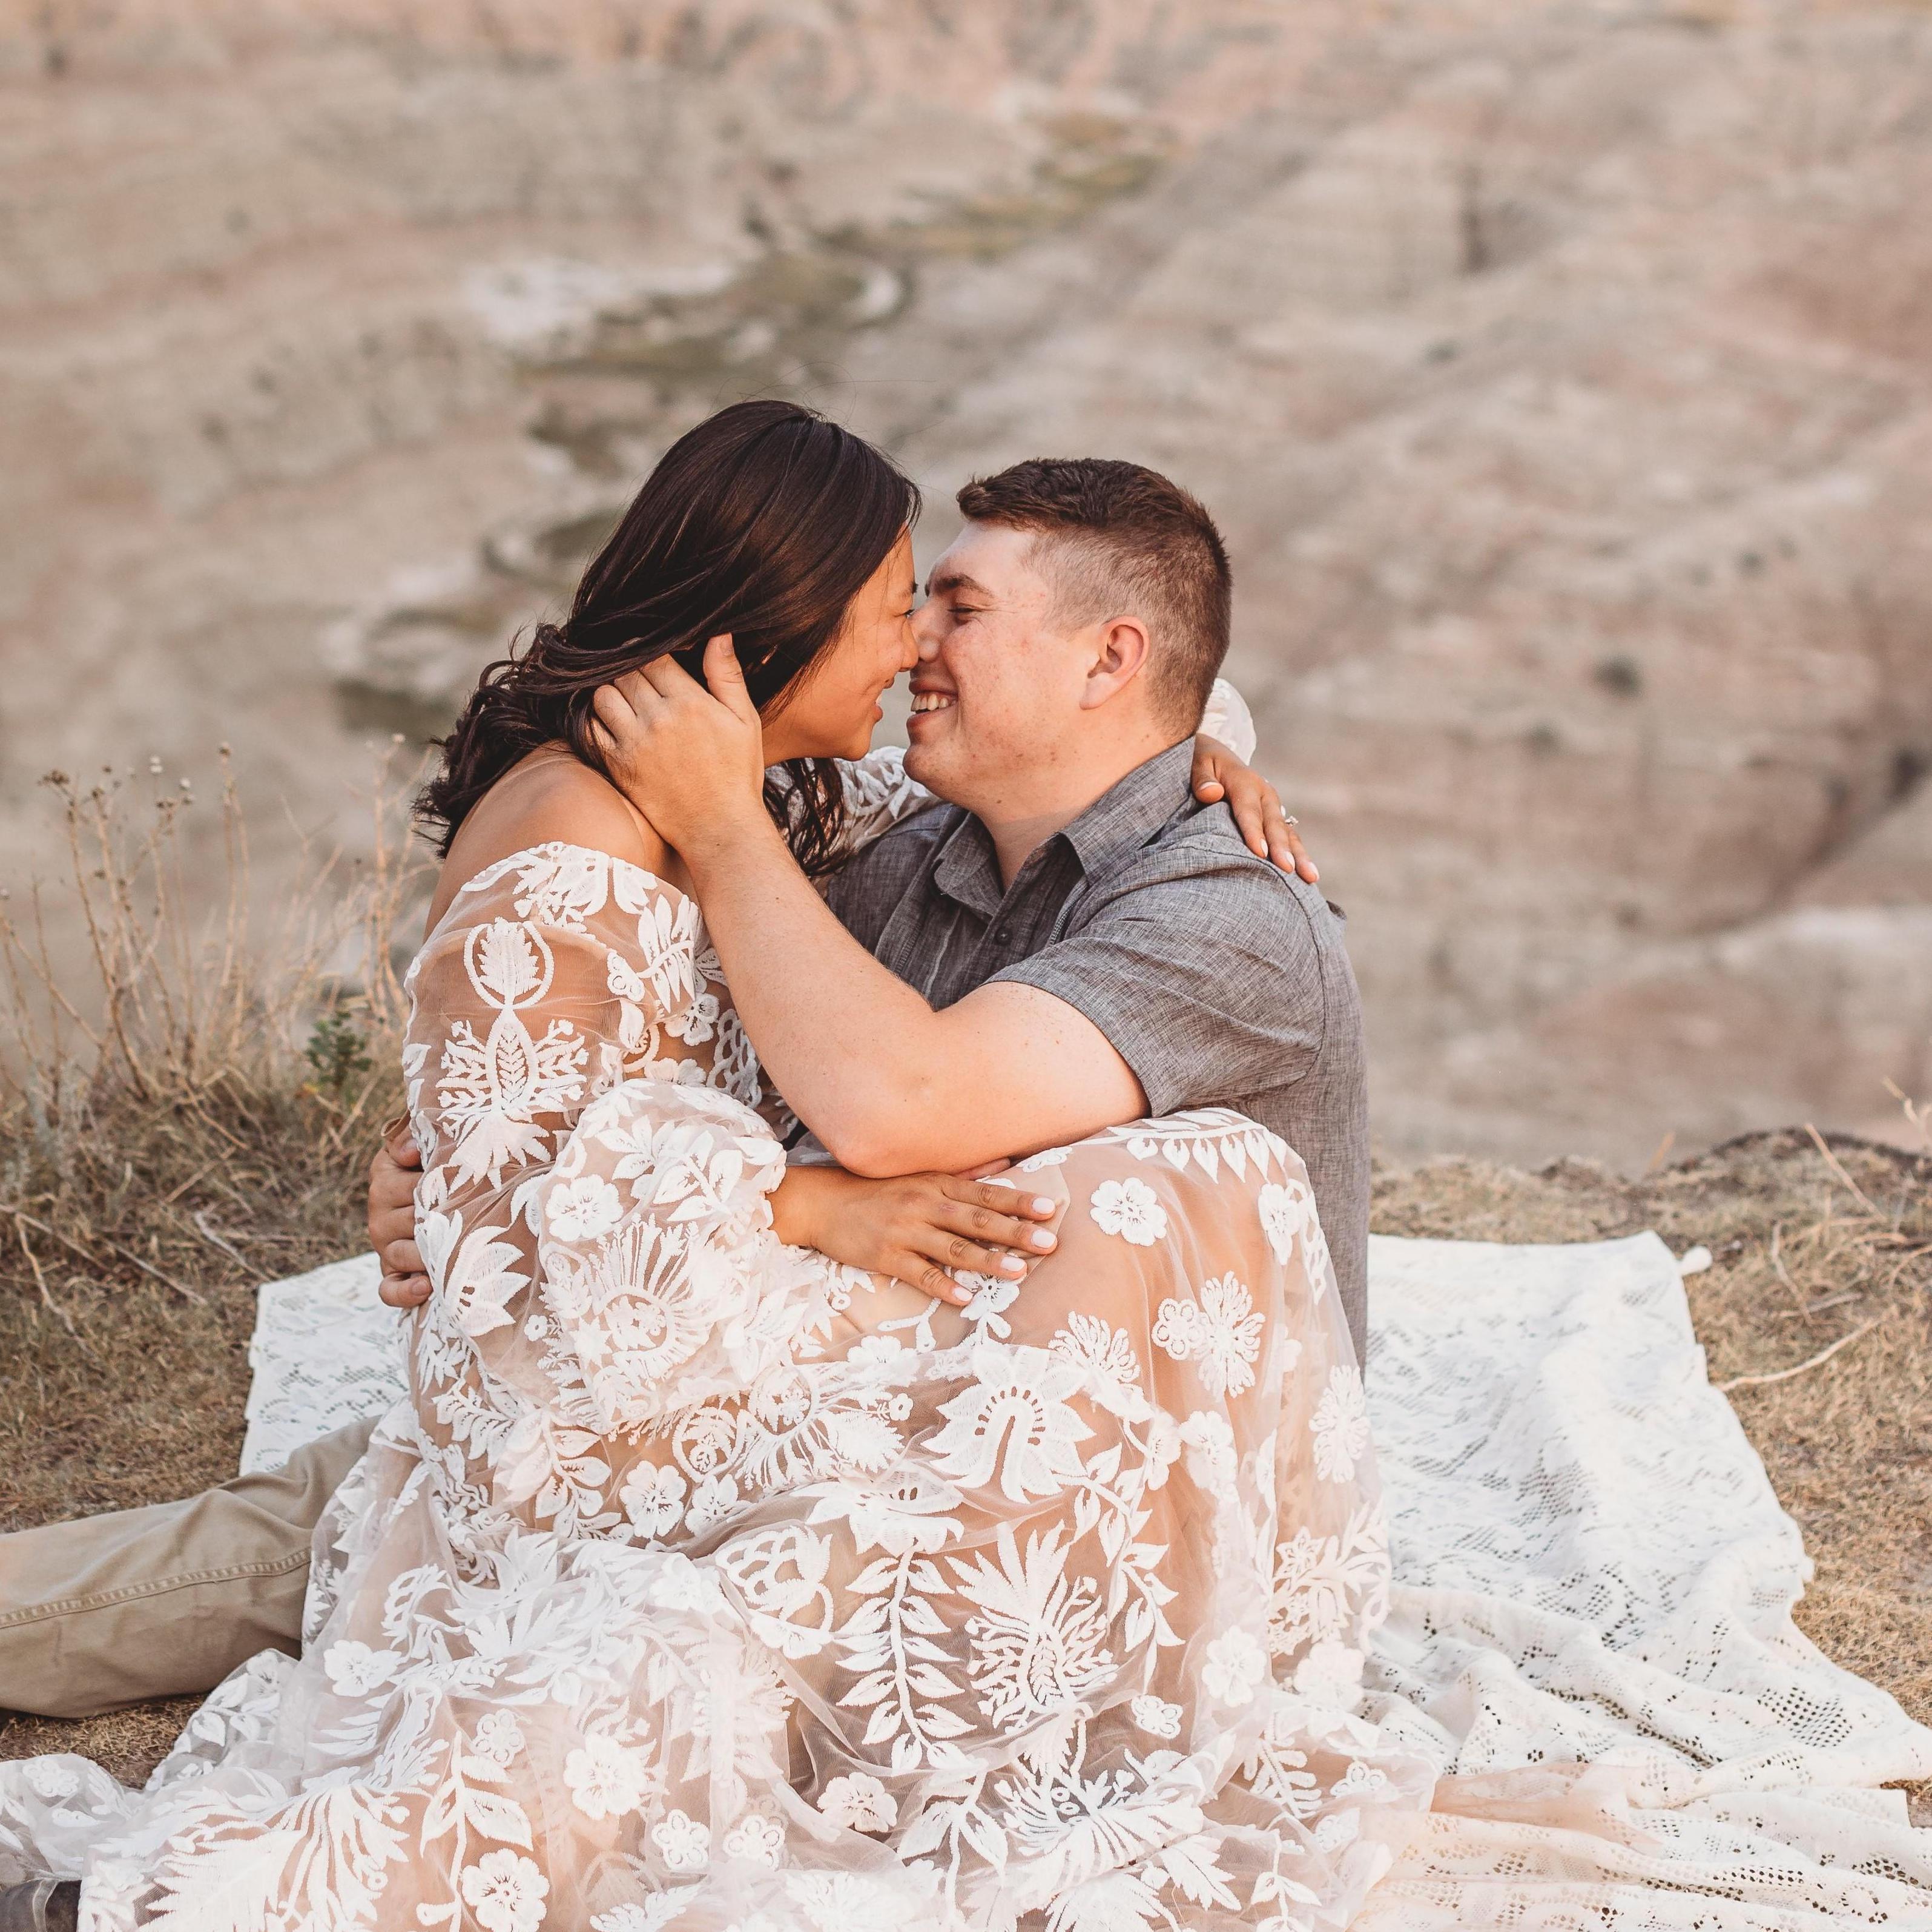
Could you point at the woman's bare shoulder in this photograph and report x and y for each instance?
(546, 798)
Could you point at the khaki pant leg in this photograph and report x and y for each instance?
(163, 1601)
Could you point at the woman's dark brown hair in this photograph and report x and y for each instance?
(765, 521)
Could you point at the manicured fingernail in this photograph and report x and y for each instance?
(1040, 1238)
(1041, 1205)
(1012, 1265)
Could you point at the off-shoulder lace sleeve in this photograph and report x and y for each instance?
(593, 1171)
(1228, 718)
(554, 977)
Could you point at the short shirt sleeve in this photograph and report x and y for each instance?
(1202, 966)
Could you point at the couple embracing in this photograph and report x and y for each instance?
(885, 1442)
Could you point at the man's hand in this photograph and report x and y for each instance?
(393, 1175)
(923, 1229)
(692, 761)
(1268, 832)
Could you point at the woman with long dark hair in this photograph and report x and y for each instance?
(765, 523)
(705, 1578)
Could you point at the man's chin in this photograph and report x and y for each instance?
(950, 777)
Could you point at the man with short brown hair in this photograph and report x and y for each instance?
(1120, 537)
(1071, 941)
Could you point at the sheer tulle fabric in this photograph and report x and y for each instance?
(702, 1583)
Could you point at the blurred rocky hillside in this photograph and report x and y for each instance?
(1562, 375)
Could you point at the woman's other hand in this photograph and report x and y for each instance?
(923, 1229)
(393, 1175)
(1267, 830)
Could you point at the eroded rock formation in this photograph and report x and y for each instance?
(1560, 374)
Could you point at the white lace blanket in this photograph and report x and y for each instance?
(1591, 1632)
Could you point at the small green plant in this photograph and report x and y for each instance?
(337, 1051)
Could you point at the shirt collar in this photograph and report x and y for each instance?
(1127, 815)
(968, 869)
(1123, 817)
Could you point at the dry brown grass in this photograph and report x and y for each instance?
(196, 1119)
(216, 1154)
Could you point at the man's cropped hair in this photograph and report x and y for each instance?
(1117, 540)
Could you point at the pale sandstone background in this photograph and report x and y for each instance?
(1562, 375)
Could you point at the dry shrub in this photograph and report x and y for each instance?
(194, 1118)
(193, 1121)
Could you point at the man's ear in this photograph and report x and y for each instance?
(1121, 653)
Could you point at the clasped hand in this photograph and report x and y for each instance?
(926, 1230)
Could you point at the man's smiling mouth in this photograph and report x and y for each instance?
(932, 701)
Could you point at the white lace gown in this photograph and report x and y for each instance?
(702, 1582)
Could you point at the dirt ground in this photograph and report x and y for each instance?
(141, 1398)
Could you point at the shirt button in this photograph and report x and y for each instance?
(1000, 935)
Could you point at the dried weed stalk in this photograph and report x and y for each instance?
(178, 1005)
(187, 1115)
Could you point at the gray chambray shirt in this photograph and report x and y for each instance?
(1220, 980)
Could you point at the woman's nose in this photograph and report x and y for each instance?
(926, 628)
